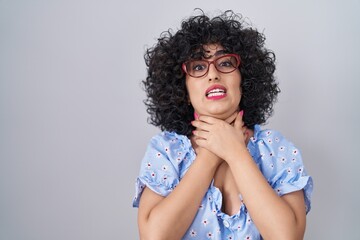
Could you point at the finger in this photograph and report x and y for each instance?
(238, 121)
(200, 142)
(200, 134)
(199, 125)
(196, 116)
(232, 118)
(244, 129)
(208, 119)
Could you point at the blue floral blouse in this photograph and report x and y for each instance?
(169, 156)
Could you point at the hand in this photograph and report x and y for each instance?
(203, 153)
(219, 136)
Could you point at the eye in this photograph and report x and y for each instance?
(197, 66)
(226, 62)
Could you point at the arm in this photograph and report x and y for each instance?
(275, 217)
(170, 217)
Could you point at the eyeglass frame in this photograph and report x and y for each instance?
(212, 62)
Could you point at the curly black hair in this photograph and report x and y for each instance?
(167, 97)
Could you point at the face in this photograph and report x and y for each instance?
(215, 94)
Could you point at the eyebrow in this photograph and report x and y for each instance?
(201, 54)
(220, 52)
(217, 53)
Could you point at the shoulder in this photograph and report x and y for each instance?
(271, 143)
(169, 141)
(170, 147)
(281, 163)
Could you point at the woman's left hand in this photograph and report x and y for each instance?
(220, 137)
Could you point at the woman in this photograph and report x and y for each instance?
(213, 173)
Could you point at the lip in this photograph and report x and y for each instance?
(216, 97)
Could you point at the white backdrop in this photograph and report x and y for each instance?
(73, 128)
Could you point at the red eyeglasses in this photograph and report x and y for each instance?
(198, 68)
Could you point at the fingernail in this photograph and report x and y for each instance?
(196, 116)
(241, 112)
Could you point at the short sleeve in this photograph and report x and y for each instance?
(161, 166)
(281, 164)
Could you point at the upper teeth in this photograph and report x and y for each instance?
(216, 90)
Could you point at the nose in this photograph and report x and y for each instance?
(213, 73)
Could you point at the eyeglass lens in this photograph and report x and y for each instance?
(224, 64)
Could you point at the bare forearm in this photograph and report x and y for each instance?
(172, 216)
(274, 218)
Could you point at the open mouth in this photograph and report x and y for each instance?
(215, 91)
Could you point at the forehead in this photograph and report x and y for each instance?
(208, 51)
(213, 50)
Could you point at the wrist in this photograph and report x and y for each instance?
(209, 159)
(238, 154)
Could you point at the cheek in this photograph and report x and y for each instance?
(192, 88)
(237, 86)
(188, 88)
(238, 95)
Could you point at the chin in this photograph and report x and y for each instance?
(222, 115)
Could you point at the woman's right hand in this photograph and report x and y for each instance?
(203, 151)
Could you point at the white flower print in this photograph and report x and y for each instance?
(293, 160)
(300, 169)
(271, 165)
(209, 235)
(248, 237)
(253, 139)
(165, 168)
(277, 139)
(166, 149)
(239, 227)
(289, 170)
(158, 154)
(269, 141)
(178, 159)
(153, 174)
(248, 221)
(268, 133)
(192, 233)
(179, 153)
(230, 237)
(283, 160)
(201, 206)
(281, 148)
